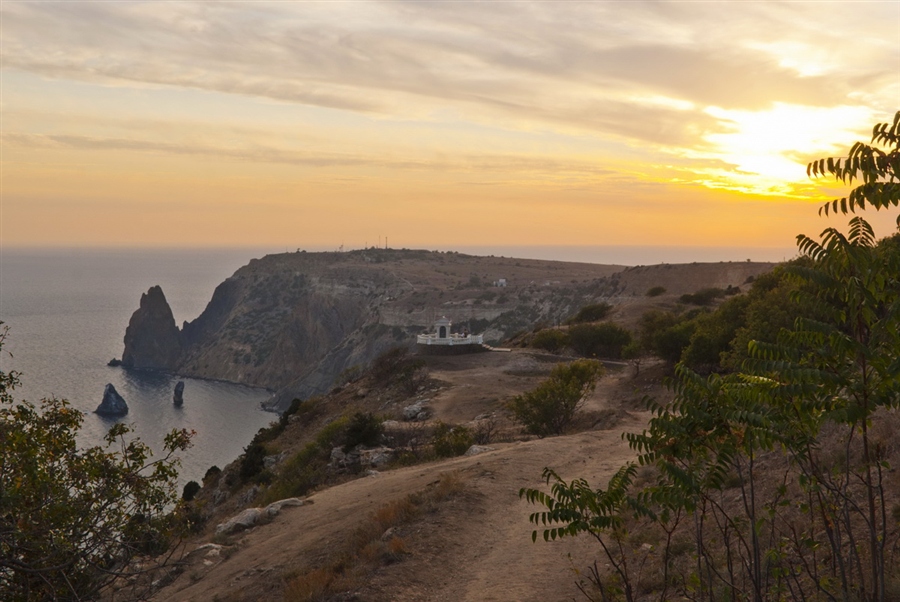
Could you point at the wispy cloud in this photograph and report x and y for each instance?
(571, 65)
(497, 101)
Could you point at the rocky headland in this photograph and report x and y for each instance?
(294, 322)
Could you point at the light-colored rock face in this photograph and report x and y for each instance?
(249, 518)
(245, 520)
(113, 404)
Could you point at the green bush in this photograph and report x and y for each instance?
(656, 291)
(212, 475)
(599, 340)
(704, 296)
(364, 429)
(252, 461)
(449, 441)
(552, 406)
(665, 334)
(308, 468)
(590, 313)
(190, 490)
(550, 340)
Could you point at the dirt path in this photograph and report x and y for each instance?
(476, 546)
(486, 552)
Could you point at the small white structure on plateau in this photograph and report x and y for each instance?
(443, 336)
(501, 282)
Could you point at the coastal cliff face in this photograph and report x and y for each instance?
(152, 340)
(293, 322)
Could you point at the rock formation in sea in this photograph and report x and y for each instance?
(113, 404)
(178, 398)
(152, 340)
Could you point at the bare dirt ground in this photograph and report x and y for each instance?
(477, 546)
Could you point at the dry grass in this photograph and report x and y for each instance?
(373, 544)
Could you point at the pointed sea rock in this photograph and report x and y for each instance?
(178, 398)
(152, 340)
(113, 404)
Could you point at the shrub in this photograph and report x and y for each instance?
(656, 291)
(253, 460)
(665, 334)
(704, 296)
(308, 467)
(449, 441)
(550, 340)
(212, 475)
(590, 313)
(599, 340)
(552, 406)
(73, 518)
(364, 429)
(190, 490)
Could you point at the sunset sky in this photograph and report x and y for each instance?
(316, 124)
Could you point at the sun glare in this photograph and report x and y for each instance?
(771, 148)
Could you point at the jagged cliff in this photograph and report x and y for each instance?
(293, 322)
(152, 340)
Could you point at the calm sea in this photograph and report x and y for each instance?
(67, 311)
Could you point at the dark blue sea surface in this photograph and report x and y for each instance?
(67, 311)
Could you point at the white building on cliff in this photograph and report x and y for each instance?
(443, 337)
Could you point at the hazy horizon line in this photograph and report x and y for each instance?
(626, 255)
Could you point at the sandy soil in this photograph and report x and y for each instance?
(477, 546)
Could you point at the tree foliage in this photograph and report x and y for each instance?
(71, 520)
(775, 475)
(599, 340)
(550, 340)
(877, 170)
(552, 406)
(666, 334)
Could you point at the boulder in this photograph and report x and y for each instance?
(178, 398)
(249, 495)
(245, 520)
(417, 411)
(275, 507)
(270, 461)
(152, 340)
(478, 449)
(338, 457)
(113, 404)
(376, 457)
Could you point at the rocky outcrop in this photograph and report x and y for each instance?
(113, 404)
(252, 516)
(293, 322)
(417, 411)
(152, 340)
(178, 397)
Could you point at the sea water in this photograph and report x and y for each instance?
(67, 311)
